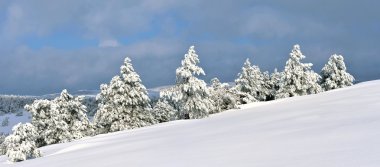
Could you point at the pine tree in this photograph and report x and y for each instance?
(223, 98)
(334, 74)
(163, 111)
(42, 119)
(60, 120)
(73, 113)
(242, 84)
(251, 84)
(21, 144)
(275, 79)
(190, 96)
(124, 103)
(267, 86)
(298, 79)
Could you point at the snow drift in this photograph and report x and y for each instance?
(335, 128)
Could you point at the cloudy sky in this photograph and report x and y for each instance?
(46, 46)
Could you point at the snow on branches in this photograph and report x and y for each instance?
(251, 84)
(20, 145)
(190, 95)
(60, 120)
(334, 74)
(298, 79)
(124, 103)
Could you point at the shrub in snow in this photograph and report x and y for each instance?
(223, 98)
(334, 74)
(298, 79)
(21, 144)
(250, 84)
(190, 96)
(124, 103)
(163, 111)
(60, 120)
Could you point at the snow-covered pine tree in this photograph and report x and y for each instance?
(274, 82)
(57, 130)
(170, 95)
(124, 103)
(20, 145)
(163, 111)
(334, 74)
(223, 98)
(242, 87)
(42, 113)
(266, 92)
(298, 79)
(190, 96)
(73, 112)
(250, 84)
(60, 120)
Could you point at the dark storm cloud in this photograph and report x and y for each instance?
(157, 33)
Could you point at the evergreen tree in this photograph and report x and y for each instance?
(223, 98)
(274, 82)
(124, 103)
(21, 144)
(334, 74)
(170, 96)
(267, 87)
(190, 96)
(250, 84)
(242, 84)
(73, 113)
(42, 113)
(60, 120)
(163, 111)
(298, 79)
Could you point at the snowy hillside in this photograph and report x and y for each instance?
(12, 120)
(335, 128)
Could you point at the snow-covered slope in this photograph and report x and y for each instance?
(335, 128)
(13, 120)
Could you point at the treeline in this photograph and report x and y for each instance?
(124, 102)
(14, 103)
